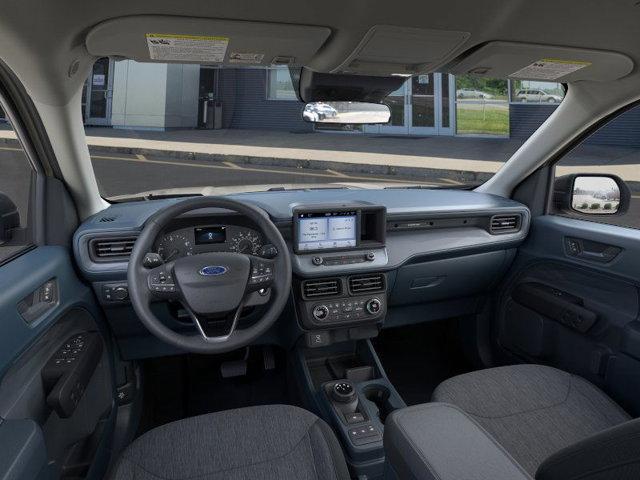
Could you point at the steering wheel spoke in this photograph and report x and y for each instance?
(209, 327)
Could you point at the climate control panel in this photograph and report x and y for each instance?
(333, 302)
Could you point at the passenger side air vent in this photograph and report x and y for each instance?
(366, 283)
(504, 224)
(111, 249)
(326, 287)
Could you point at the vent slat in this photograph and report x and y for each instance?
(112, 247)
(321, 288)
(504, 224)
(366, 283)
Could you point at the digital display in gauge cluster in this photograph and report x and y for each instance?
(206, 235)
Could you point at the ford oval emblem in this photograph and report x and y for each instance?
(213, 270)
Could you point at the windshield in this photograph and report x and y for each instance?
(168, 129)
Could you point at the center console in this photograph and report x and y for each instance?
(332, 240)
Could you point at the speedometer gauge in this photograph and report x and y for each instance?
(246, 242)
(175, 245)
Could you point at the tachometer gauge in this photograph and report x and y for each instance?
(246, 242)
(175, 245)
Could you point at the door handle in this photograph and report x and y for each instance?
(590, 250)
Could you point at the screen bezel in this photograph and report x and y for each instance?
(344, 210)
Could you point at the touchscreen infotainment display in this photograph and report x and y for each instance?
(326, 230)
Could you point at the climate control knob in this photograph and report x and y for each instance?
(373, 306)
(320, 312)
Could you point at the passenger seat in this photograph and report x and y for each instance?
(515, 422)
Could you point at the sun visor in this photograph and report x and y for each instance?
(387, 49)
(325, 87)
(169, 39)
(543, 63)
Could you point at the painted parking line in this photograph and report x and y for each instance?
(256, 170)
(232, 165)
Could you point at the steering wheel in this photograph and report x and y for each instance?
(212, 287)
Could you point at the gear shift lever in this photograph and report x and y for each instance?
(343, 392)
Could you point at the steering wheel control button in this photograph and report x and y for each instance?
(343, 392)
(261, 273)
(374, 306)
(321, 312)
(162, 282)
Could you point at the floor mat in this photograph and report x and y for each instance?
(417, 358)
(188, 385)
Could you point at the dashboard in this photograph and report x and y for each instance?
(358, 257)
(208, 237)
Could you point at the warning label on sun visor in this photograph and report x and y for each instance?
(549, 69)
(187, 48)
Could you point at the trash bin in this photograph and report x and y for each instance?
(210, 113)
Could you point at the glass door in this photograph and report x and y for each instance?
(99, 93)
(399, 122)
(423, 105)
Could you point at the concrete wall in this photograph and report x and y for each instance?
(154, 95)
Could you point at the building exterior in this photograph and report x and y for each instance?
(126, 94)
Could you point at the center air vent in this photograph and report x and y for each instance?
(504, 224)
(325, 287)
(366, 283)
(111, 249)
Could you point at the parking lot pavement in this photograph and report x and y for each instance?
(127, 174)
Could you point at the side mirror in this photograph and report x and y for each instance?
(346, 112)
(592, 194)
(9, 218)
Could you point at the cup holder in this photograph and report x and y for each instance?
(379, 396)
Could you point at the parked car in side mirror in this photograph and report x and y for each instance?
(9, 218)
(346, 112)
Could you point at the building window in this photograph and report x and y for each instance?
(279, 85)
(531, 91)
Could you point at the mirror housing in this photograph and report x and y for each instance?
(354, 113)
(591, 194)
(9, 218)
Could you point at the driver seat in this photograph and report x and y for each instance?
(266, 442)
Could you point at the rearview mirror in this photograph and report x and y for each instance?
(595, 195)
(9, 218)
(346, 112)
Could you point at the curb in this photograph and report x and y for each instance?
(463, 176)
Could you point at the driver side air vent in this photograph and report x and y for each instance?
(366, 283)
(325, 287)
(111, 249)
(504, 224)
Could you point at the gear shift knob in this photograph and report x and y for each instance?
(343, 392)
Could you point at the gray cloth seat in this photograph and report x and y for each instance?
(532, 411)
(269, 442)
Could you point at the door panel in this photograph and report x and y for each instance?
(50, 395)
(577, 313)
